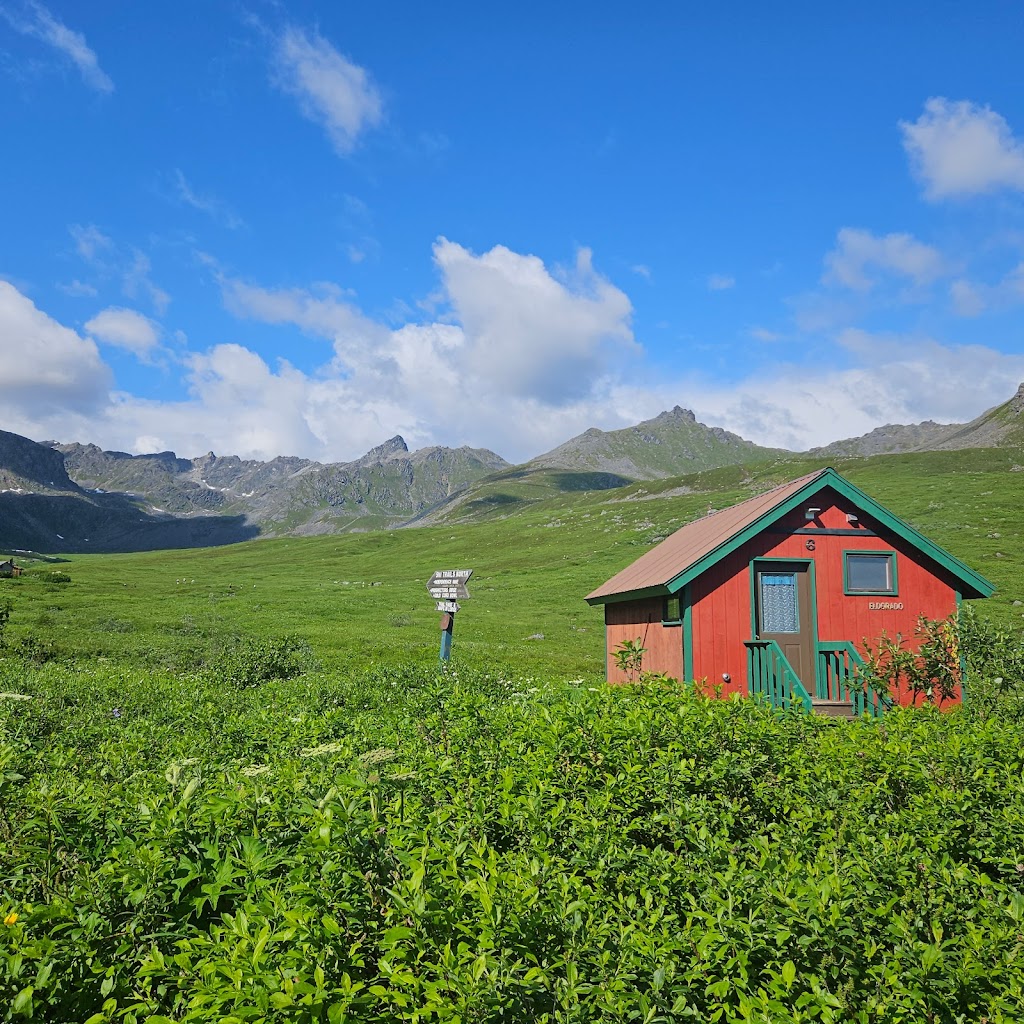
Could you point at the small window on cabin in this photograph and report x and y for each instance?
(870, 572)
(672, 612)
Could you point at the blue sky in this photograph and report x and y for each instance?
(296, 228)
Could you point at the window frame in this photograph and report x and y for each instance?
(893, 588)
(666, 608)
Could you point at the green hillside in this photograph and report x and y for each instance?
(362, 597)
(670, 443)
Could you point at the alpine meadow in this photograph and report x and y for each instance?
(237, 786)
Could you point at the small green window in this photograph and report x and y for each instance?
(869, 572)
(672, 612)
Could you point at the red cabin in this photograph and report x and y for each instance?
(775, 595)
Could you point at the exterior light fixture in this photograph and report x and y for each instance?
(812, 513)
(851, 518)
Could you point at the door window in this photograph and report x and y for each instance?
(779, 605)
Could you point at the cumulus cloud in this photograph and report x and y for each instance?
(125, 328)
(517, 347)
(888, 378)
(518, 356)
(528, 333)
(46, 369)
(332, 91)
(38, 22)
(857, 250)
(961, 149)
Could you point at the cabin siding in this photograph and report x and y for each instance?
(641, 620)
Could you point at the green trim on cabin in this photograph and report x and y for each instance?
(975, 584)
(605, 631)
(687, 636)
(963, 657)
(891, 555)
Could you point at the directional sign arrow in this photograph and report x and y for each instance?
(449, 584)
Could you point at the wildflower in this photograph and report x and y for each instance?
(115, 713)
(11, 919)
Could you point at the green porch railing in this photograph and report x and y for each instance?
(770, 675)
(841, 677)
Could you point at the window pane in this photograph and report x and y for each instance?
(871, 573)
(779, 603)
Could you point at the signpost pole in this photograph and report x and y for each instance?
(447, 628)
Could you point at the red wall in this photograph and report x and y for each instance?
(641, 620)
(721, 598)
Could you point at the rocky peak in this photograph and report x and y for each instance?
(25, 461)
(676, 414)
(388, 450)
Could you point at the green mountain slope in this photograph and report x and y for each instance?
(672, 442)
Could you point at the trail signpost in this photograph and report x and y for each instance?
(448, 587)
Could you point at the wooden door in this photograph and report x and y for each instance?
(785, 614)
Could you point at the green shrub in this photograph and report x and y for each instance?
(252, 661)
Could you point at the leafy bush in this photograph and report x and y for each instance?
(928, 670)
(406, 845)
(56, 576)
(253, 661)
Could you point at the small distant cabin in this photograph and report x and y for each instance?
(776, 595)
(9, 569)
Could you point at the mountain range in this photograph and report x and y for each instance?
(73, 497)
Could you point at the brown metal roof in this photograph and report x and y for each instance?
(688, 545)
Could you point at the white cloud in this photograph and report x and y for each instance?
(525, 349)
(763, 334)
(857, 250)
(136, 282)
(46, 369)
(331, 90)
(642, 270)
(39, 23)
(968, 299)
(125, 328)
(888, 378)
(210, 205)
(962, 149)
(78, 289)
(720, 282)
(92, 245)
(108, 260)
(519, 358)
(528, 334)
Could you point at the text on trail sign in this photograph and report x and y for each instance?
(449, 584)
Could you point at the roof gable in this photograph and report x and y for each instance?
(694, 548)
